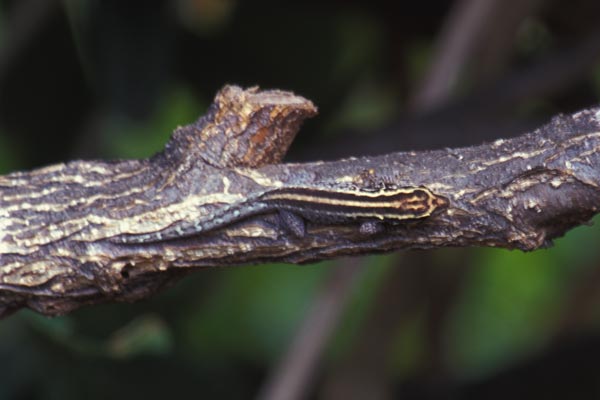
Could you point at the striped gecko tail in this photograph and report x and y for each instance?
(184, 229)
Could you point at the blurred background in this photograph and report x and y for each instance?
(112, 78)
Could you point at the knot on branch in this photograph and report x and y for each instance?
(552, 202)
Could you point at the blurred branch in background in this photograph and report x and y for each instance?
(292, 377)
(481, 30)
(480, 115)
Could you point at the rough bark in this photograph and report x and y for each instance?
(60, 226)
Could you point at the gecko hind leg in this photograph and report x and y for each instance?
(370, 228)
(293, 223)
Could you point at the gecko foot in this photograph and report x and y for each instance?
(370, 228)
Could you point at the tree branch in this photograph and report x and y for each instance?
(66, 230)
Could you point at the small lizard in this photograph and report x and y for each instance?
(296, 204)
